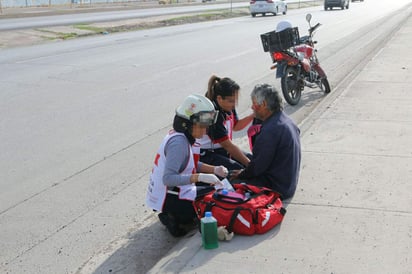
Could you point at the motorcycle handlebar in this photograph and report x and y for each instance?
(312, 29)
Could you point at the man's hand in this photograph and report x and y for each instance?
(235, 173)
(221, 171)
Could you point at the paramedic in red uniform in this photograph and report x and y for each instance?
(276, 150)
(217, 147)
(177, 176)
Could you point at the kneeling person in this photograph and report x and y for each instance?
(177, 176)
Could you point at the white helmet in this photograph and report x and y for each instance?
(282, 25)
(197, 109)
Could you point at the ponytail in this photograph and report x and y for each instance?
(221, 86)
(210, 93)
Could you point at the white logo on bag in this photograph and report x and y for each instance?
(266, 220)
(243, 220)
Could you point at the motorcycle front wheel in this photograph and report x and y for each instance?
(325, 85)
(291, 88)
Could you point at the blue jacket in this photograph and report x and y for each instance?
(276, 155)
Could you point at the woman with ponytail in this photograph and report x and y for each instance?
(217, 147)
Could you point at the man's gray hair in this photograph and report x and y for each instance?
(268, 93)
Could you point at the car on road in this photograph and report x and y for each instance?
(330, 4)
(267, 6)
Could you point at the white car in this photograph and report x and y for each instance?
(267, 6)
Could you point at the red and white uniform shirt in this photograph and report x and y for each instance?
(157, 190)
(219, 132)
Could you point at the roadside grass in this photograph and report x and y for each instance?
(53, 35)
(211, 16)
(89, 28)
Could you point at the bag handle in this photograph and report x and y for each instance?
(233, 219)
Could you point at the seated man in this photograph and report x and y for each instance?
(276, 150)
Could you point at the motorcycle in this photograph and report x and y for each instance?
(296, 62)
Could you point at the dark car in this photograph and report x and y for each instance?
(330, 4)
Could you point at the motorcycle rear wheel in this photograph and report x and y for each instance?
(291, 88)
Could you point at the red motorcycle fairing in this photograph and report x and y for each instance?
(307, 52)
(306, 64)
(305, 49)
(319, 70)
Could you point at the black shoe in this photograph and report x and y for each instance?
(163, 217)
(172, 226)
(190, 225)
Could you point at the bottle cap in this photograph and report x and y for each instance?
(208, 214)
(225, 191)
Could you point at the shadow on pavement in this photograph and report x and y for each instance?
(140, 252)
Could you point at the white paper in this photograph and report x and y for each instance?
(227, 185)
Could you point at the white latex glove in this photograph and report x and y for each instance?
(208, 178)
(219, 185)
(221, 171)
